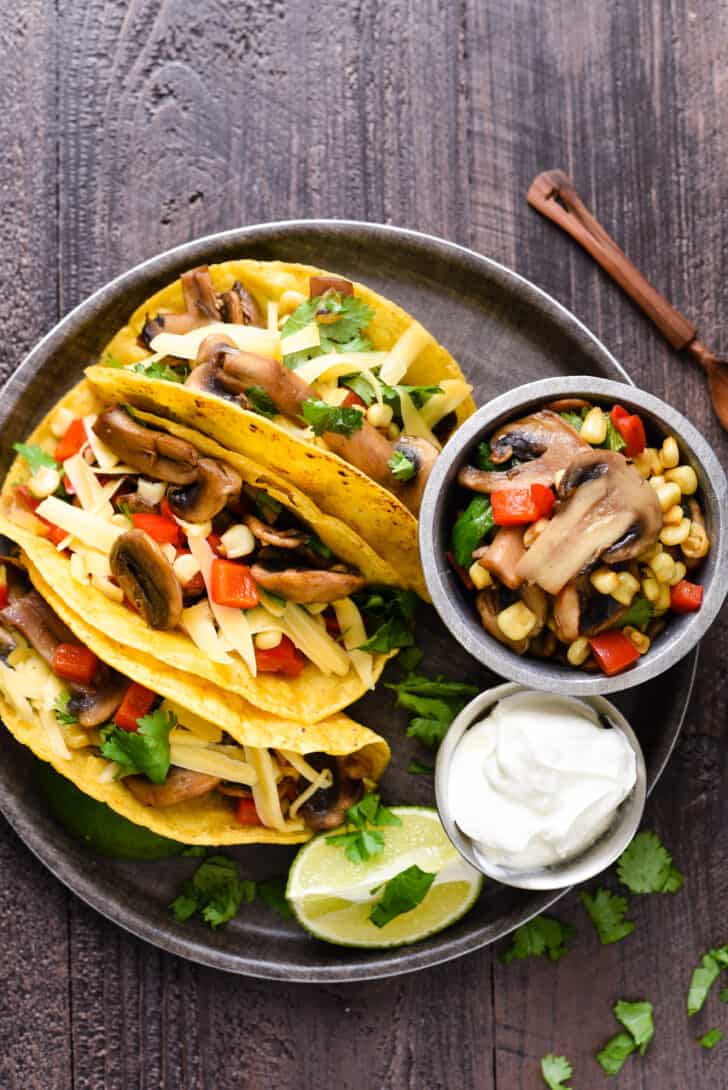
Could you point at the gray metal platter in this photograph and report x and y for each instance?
(504, 331)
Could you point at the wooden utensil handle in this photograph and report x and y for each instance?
(553, 194)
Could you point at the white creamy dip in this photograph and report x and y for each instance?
(539, 780)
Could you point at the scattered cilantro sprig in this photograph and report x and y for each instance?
(160, 369)
(216, 891)
(344, 334)
(144, 750)
(402, 467)
(607, 912)
(543, 936)
(261, 402)
(712, 1038)
(389, 615)
(401, 894)
(555, 1070)
(60, 707)
(645, 866)
(322, 417)
(705, 976)
(434, 701)
(637, 1019)
(35, 456)
(363, 839)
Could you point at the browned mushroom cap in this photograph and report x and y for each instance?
(544, 443)
(489, 605)
(607, 510)
(580, 610)
(155, 453)
(147, 579)
(93, 705)
(181, 785)
(239, 306)
(281, 539)
(502, 556)
(319, 285)
(306, 586)
(423, 456)
(327, 807)
(233, 372)
(33, 618)
(215, 485)
(201, 307)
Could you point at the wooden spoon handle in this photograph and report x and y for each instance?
(553, 194)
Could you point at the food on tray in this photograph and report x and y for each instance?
(195, 555)
(157, 753)
(539, 780)
(335, 388)
(577, 540)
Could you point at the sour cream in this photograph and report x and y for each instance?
(539, 780)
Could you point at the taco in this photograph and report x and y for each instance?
(337, 389)
(179, 549)
(187, 761)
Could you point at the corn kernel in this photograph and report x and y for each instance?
(674, 516)
(169, 552)
(675, 535)
(44, 482)
(185, 568)
(669, 453)
(594, 428)
(605, 580)
(533, 531)
(379, 416)
(685, 478)
(668, 494)
(643, 464)
(237, 541)
(516, 621)
(663, 600)
(578, 651)
(647, 555)
(657, 481)
(696, 544)
(680, 573)
(637, 639)
(394, 431)
(558, 477)
(626, 589)
(289, 301)
(479, 575)
(650, 589)
(653, 458)
(61, 421)
(266, 641)
(663, 567)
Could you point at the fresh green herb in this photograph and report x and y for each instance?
(616, 1052)
(723, 996)
(575, 419)
(712, 1038)
(195, 851)
(364, 840)
(267, 507)
(409, 659)
(470, 528)
(261, 402)
(343, 335)
(391, 395)
(541, 936)
(144, 750)
(402, 467)
(60, 707)
(111, 361)
(638, 615)
(607, 911)
(160, 369)
(216, 891)
(317, 546)
(484, 460)
(555, 1070)
(705, 976)
(646, 866)
(435, 702)
(124, 509)
(322, 417)
(401, 894)
(35, 456)
(417, 768)
(389, 615)
(637, 1020)
(614, 440)
(272, 892)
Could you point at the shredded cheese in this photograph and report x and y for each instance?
(272, 316)
(230, 621)
(335, 364)
(404, 353)
(198, 624)
(92, 530)
(105, 457)
(265, 791)
(249, 338)
(354, 635)
(315, 642)
(412, 422)
(454, 392)
(205, 759)
(308, 337)
(195, 724)
(91, 494)
(323, 780)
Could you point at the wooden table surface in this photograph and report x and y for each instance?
(128, 127)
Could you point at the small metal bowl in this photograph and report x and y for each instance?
(457, 609)
(600, 855)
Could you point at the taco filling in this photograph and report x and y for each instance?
(161, 753)
(182, 540)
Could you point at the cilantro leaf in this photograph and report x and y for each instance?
(614, 440)
(272, 892)
(360, 845)
(35, 456)
(555, 1070)
(435, 702)
(402, 467)
(144, 750)
(261, 402)
(161, 370)
(215, 890)
(364, 840)
(484, 460)
(391, 395)
(317, 546)
(541, 936)
(645, 866)
(434, 686)
(723, 996)
(302, 316)
(637, 1020)
(409, 659)
(712, 1038)
(615, 1053)
(638, 615)
(267, 507)
(370, 811)
(389, 617)
(470, 528)
(195, 851)
(343, 334)
(575, 419)
(705, 976)
(322, 417)
(401, 894)
(607, 911)
(417, 768)
(60, 707)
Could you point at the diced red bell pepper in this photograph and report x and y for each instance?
(164, 531)
(517, 506)
(213, 540)
(68, 486)
(137, 702)
(332, 624)
(54, 533)
(283, 659)
(246, 813)
(353, 399)
(74, 439)
(631, 428)
(686, 597)
(461, 572)
(3, 586)
(613, 651)
(74, 662)
(233, 585)
(26, 497)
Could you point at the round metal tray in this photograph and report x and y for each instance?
(504, 331)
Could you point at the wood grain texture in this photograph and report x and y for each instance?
(130, 126)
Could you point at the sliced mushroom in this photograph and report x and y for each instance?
(423, 456)
(147, 579)
(7, 642)
(536, 600)
(544, 438)
(607, 510)
(580, 610)
(319, 285)
(154, 453)
(33, 618)
(280, 539)
(306, 586)
(248, 305)
(181, 785)
(215, 485)
(489, 603)
(502, 556)
(567, 613)
(327, 807)
(93, 705)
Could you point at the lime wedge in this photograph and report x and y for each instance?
(332, 897)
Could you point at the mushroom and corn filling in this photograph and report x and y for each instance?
(164, 754)
(308, 364)
(182, 540)
(576, 537)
